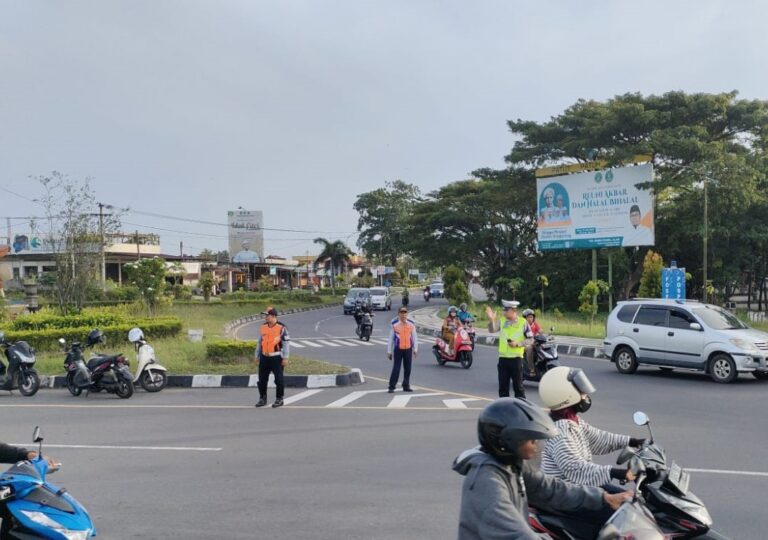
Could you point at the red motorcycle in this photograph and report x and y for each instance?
(462, 349)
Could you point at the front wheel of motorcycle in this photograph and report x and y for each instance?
(466, 359)
(29, 382)
(71, 386)
(153, 381)
(124, 389)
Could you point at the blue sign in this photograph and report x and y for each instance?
(673, 283)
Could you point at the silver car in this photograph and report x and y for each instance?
(380, 298)
(684, 334)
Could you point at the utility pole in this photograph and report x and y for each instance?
(138, 253)
(181, 249)
(705, 239)
(101, 245)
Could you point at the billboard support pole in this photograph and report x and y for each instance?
(610, 281)
(594, 271)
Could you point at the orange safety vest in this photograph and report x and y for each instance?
(403, 333)
(271, 339)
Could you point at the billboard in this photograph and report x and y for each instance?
(246, 236)
(29, 243)
(595, 209)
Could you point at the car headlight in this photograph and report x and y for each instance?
(743, 344)
(42, 519)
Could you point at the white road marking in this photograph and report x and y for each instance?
(311, 343)
(379, 341)
(402, 401)
(297, 344)
(349, 398)
(724, 471)
(366, 343)
(300, 396)
(329, 343)
(457, 403)
(348, 343)
(114, 447)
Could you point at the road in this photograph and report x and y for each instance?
(356, 462)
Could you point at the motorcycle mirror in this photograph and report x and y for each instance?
(625, 456)
(640, 418)
(37, 435)
(551, 329)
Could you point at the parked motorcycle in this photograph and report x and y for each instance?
(365, 326)
(544, 357)
(680, 513)
(462, 349)
(31, 507)
(108, 373)
(20, 372)
(149, 373)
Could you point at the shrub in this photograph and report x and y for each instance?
(650, 282)
(182, 292)
(126, 293)
(229, 351)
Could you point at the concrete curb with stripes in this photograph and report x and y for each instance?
(563, 347)
(352, 377)
(232, 325)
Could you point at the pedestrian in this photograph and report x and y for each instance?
(403, 345)
(512, 340)
(272, 354)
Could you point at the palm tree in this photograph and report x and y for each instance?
(334, 254)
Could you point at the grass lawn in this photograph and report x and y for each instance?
(182, 357)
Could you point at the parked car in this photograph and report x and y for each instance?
(353, 295)
(380, 298)
(684, 334)
(437, 290)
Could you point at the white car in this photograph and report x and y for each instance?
(380, 298)
(684, 334)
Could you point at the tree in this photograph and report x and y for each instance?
(543, 282)
(148, 275)
(650, 281)
(333, 256)
(455, 286)
(382, 214)
(74, 234)
(206, 283)
(588, 298)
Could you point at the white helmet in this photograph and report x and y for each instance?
(563, 387)
(135, 334)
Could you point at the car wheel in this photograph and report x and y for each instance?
(722, 369)
(625, 359)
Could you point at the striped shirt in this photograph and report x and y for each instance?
(569, 455)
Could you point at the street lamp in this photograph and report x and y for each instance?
(381, 256)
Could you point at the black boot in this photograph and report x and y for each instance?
(262, 401)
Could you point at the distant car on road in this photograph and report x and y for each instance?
(437, 289)
(380, 298)
(684, 334)
(353, 295)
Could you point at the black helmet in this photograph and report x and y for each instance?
(507, 422)
(94, 336)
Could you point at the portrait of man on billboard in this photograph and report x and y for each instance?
(553, 206)
(640, 234)
(246, 255)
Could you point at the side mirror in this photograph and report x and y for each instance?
(625, 456)
(551, 329)
(62, 341)
(37, 436)
(695, 326)
(640, 418)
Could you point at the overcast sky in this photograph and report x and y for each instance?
(190, 108)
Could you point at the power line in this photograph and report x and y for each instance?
(21, 196)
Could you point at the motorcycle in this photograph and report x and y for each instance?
(365, 326)
(544, 357)
(20, 373)
(426, 296)
(108, 373)
(31, 507)
(679, 512)
(462, 349)
(469, 324)
(149, 373)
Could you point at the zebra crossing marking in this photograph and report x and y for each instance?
(300, 396)
(402, 401)
(329, 343)
(346, 342)
(298, 345)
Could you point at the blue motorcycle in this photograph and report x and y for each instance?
(31, 507)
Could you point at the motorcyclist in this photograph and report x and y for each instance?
(463, 314)
(361, 308)
(451, 325)
(500, 482)
(427, 292)
(530, 348)
(12, 454)
(568, 455)
(406, 297)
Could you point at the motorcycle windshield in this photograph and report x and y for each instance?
(631, 521)
(581, 381)
(23, 468)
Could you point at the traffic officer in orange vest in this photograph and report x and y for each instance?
(404, 342)
(513, 334)
(272, 353)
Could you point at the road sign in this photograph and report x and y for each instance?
(673, 283)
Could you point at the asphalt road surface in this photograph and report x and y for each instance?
(356, 462)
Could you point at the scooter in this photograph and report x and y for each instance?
(20, 373)
(149, 373)
(631, 520)
(426, 296)
(109, 373)
(365, 326)
(469, 325)
(680, 513)
(31, 507)
(462, 349)
(544, 357)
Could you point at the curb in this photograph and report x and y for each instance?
(350, 378)
(231, 325)
(563, 347)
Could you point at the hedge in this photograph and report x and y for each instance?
(229, 350)
(117, 335)
(46, 321)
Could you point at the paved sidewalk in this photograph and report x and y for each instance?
(428, 322)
